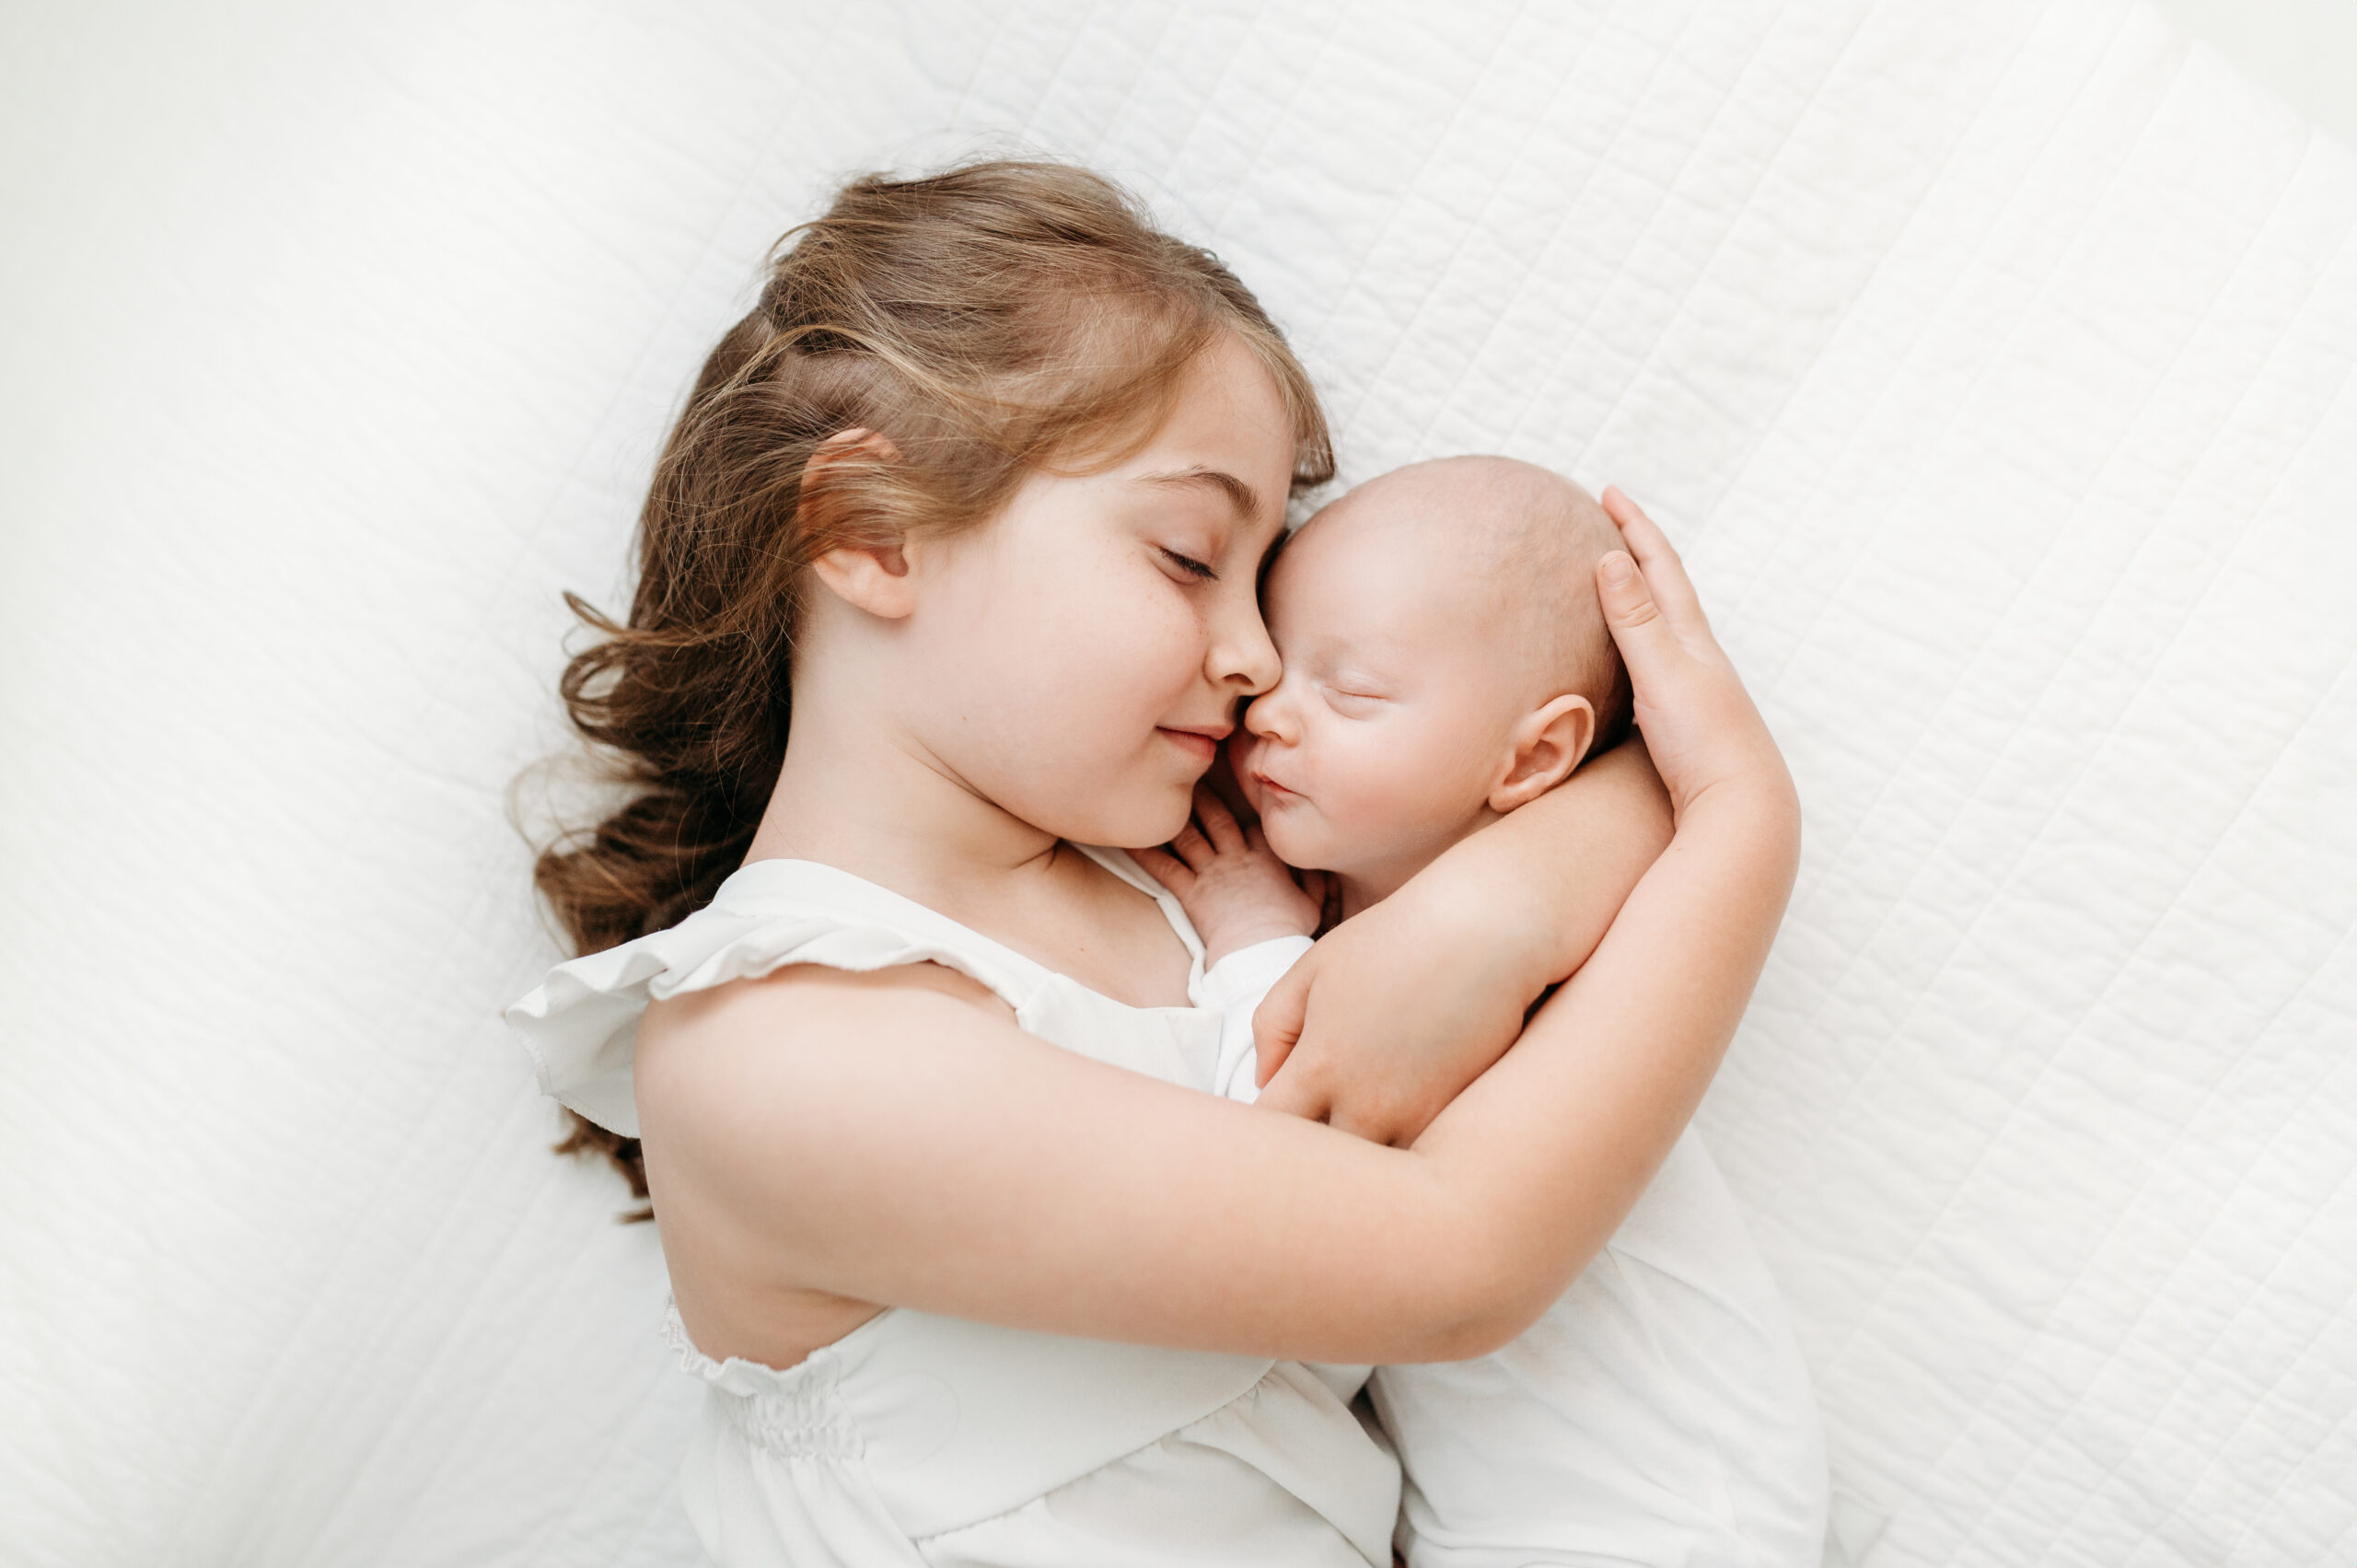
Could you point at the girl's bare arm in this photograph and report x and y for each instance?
(888, 1143)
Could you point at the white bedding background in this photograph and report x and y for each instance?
(1992, 362)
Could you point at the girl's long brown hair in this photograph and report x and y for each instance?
(985, 320)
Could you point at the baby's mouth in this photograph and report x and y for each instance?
(1276, 791)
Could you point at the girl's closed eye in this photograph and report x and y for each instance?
(1188, 565)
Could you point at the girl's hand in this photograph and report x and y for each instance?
(1387, 1018)
(1231, 883)
(1698, 721)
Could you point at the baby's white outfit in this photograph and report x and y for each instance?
(1658, 1413)
(917, 1439)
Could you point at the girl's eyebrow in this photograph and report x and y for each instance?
(1242, 497)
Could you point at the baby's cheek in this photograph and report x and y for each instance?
(1292, 834)
(1239, 765)
(1396, 800)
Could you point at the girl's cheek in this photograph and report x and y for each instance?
(1166, 643)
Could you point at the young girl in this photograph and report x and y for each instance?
(976, 496)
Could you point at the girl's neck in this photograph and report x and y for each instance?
(863, 797)
(856, 795)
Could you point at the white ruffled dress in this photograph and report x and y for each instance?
(924, 1439)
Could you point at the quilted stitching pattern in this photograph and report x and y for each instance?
(1992, 362)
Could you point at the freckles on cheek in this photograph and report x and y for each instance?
(1124, 669)
(1161, 646)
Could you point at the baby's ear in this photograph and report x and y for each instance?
(861, 569)
(1547, 744)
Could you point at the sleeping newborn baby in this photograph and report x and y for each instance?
(1445, 660)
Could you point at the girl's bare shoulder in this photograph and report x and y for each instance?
(774, 1089)
(802, 1008)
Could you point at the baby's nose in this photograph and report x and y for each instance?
(1269, 716)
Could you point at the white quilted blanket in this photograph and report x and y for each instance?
(1993, 362)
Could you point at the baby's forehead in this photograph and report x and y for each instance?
(1400, 568)
(1479, 559)
(1504, 533)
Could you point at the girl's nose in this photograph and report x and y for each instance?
(1242, 657)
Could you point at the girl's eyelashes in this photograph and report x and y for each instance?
(1189, 565)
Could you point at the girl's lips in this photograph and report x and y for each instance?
(1202, 747)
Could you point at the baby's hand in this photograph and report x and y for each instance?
(1231, 883)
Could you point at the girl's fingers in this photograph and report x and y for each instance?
(1277, 1022)
(1633, 616)
(1295, 1096)
(1644, 536)
(1165, 867)
(1664, 572)
(1219, 822)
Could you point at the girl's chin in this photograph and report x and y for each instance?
(1150, 817)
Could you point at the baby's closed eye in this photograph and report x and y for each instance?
(1350, 698)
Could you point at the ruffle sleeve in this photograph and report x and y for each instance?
(580, 1026)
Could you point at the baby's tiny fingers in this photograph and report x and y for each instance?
(1219, 822)
(1190, 846)
(1165, 868)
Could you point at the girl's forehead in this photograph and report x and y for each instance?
(1228, 414)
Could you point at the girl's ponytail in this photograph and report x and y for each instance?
(986, 320)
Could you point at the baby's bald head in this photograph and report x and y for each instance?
(1527, 541)
(1446, 662)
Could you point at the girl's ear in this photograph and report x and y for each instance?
(872, 577)
(1547, 744)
